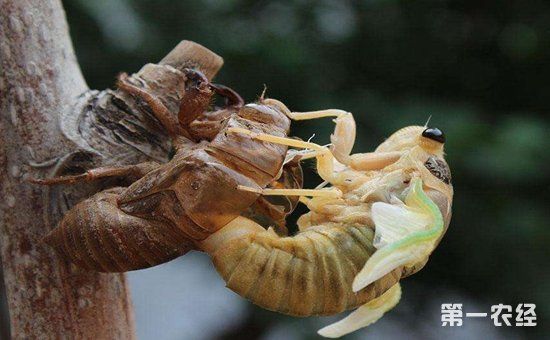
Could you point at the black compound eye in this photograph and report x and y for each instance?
(434, 134)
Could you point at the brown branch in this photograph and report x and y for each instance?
(50, 123)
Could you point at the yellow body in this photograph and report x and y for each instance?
(311, 273)
(307, 274)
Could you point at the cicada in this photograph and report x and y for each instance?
(375, 219)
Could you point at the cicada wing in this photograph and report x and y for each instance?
(405, 234)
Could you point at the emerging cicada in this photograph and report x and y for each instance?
(376, 219)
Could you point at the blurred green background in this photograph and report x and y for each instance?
(480, 69)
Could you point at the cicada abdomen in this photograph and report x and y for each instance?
(96, 234)
(306, 274)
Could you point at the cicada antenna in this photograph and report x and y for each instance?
(262, 96)
(428, 121)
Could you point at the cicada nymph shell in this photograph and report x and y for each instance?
(172, 206)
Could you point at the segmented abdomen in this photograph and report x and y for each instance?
(97, 235)
(308, 274)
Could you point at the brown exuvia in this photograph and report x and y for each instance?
(171, 207)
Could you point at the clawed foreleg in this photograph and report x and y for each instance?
(134, 172)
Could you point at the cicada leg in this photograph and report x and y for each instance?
(373, 160)
(329, 193)
(343, 137)
(168, 120)
(365, 315)
(325, 159)
(134, 171)
(232, 98)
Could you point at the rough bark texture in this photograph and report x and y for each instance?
(51, 124)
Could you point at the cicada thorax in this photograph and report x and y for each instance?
(166, 212)
(205, 179)
(266, 164)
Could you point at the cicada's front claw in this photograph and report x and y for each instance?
(232, 98)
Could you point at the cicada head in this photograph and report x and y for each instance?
(408, 229)
(423, 149)
(431, 140)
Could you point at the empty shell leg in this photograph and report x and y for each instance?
(135, 171)
(168, 120)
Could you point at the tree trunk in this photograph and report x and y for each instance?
(51, 124)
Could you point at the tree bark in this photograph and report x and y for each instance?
(51, 124)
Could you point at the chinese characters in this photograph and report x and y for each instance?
(501, 314)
